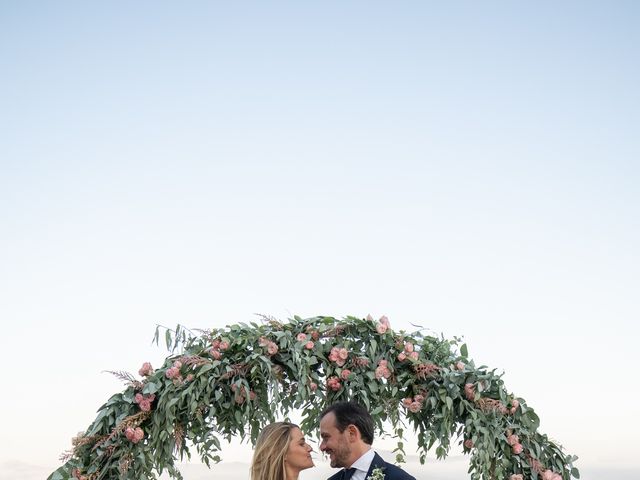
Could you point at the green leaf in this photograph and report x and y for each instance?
(463, 350)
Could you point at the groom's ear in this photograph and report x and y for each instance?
(354, 433)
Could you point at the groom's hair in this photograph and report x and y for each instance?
(352, 413)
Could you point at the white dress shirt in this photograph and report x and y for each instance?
(362, 465)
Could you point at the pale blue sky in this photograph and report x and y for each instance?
(469, 166)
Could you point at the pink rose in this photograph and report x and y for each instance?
(344, 354)
(369, 318)
(547, 475)
(513, 439)
(216, 344)
(408, 347)
(139, 434)
(145, 405)
(469, 391)
(224, 345)
(459, 366)
(216, 354)
(333, 383)
(190, 377)
(138, 397)
(301, 337)
(517, 449)
(177, 364)
(252, 395)
(272, 348)
(407, 401)
(145, 370)
(345, 373)
(413, 355)
(309, 345)
(515, 403)
(382, 363)
(313, 386)
(384, 321)
(172, 372)
(402, 357)
(381, 329)
(130, 434)
(415, 407)
(516, 476)
(340, 362)
(315, 335)
(468, 443)
(419, 398)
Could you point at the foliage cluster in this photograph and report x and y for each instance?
(231, 382)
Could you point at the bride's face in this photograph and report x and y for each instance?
(298, 455)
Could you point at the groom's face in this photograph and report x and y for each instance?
(334, 442)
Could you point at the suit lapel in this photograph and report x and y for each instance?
(377, 462)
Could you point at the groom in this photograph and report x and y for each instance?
(346, 429)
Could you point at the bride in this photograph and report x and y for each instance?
(281, 453)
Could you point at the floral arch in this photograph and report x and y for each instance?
(231, 382)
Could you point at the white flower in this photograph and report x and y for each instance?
(376, 474)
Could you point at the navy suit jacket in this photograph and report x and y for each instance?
(391, 472)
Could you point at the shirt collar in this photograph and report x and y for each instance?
(364, 462)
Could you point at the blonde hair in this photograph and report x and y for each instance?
(271, 448)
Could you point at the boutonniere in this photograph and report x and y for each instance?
(376, 474)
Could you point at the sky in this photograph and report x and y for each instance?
(468, 167)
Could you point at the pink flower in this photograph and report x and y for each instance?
(216, 344)
(415, 407)
(381, 329)
(272, 348)
(515, 403)
(138, 398)
(513, 410)
(172, 372)
(177, 364)
(469, 391)
(382, 372)
(345, 373)
(216, 354)
(190, 377)
(313, 386)
(130, 434)
(344, 354)
(413, 355)
(557, 476)
(516, 476)
(224, 345)
(139, 434)
(547, 475)
(468, 443)
(408, 347)
(334, 355)
(407, 401)
(252, 395)
(315, 335)
(402, 357)
(239, 399)
(145, 405)
(384, 321)
(459, 366)
(333, 383)
(309, 345)
(301, 337)
(383, 363)
(517, 448)
(419, 398)
(145, 370)
(513, 439)
(340, 362)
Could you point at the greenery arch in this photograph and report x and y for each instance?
(232, 381)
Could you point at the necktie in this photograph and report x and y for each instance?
(348, 473)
